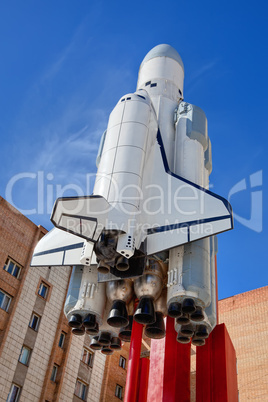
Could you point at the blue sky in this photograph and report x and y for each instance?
(65, 64)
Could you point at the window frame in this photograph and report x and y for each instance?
(6, 295)
(24, 347)
(89, 357)
(61, 344)
(119, 390)
(82, 395)
(15, 264)
(38, 321)
(124, 362)
(54, 372)
(10, 393)
(43, 285)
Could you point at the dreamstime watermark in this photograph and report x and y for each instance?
(153, 200)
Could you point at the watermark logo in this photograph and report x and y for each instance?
(254, 222)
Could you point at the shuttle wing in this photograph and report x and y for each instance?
(177, 210)
(58, 248)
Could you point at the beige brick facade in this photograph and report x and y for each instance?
(18, 236)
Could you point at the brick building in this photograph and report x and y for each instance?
(40, 360)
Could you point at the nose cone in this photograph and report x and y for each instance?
(163, 51)
(162, 73)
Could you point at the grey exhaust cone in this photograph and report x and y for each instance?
(183, 339)
(198, 341)
(118, 316)
(187, 330)
(75, 321)
(122, 264)
(174, 310)
(188, 306)
(103, 268)
(106, 350)
(145, 313)
(202, 332)
(198, 315)
(125, 333)
(157, 329)
(93, 331)
(78, 331)
(105, 338)
(115, 343)
(90, 321)
(94, 344)
(183, 319)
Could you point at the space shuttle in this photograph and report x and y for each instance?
(148, 231)
(142, 204)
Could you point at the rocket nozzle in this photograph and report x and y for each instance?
(118, 316)
(125, 333)
(122, 264)
(188, 306)
(78, 331)
(145, 313)
(75, 321)
(174, 310)
(157, 329)
(95, 344)
(89, 321)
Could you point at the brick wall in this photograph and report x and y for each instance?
(245, 316)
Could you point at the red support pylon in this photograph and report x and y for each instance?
(131, 389)
(216, 376)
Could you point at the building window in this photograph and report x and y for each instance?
(122, 362)
(81, 390)
(34, 321)
(25, 354)
(14, 393)
(12, 268)
(62, 339)
(87, 357)
(5, 300)
(43, 290)
(54, 373)
(119, 391)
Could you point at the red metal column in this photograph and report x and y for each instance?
(143, 379)
(133, 363)
(170, 361)
(216, 376)
(183, 373)
(224, 382)
(156, 373)
(177, 367)
(203, 372)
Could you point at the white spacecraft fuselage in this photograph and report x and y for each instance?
(147, 189)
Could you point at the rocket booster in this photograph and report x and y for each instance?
(148, 230)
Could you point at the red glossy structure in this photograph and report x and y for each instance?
(216, 377)
(131, 390)
(143, 380)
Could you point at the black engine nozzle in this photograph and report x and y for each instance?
(125, 332)
(157, 329)
(145, 313)
(118, 316)
(174, 310)
(188, 306)
(198, 314)
(89, 321)
(75, 321)
(95, 344)
(122, 264)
